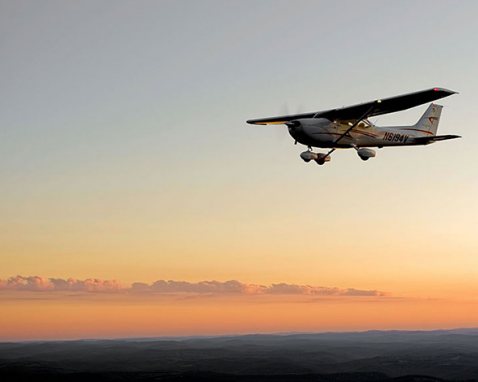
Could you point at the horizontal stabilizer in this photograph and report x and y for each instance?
(434, 138)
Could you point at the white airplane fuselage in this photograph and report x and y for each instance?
(324, 134)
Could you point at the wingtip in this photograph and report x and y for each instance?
(450, 92)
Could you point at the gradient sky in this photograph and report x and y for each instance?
(124, 155)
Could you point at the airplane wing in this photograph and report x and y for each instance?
(364, 110)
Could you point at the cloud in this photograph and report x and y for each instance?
(39, 284)
(216, 287)
(284, 288)
(231, 287)
(236, 287)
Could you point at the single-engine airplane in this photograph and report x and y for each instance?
(349, 127)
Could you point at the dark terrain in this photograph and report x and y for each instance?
(399, 356)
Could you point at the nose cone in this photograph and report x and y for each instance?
(293, 124)
(294, 127)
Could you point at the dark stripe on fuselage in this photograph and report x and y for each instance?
(421, 131)
(365, 133)
(353, 131)
(321, 133)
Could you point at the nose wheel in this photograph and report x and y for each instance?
(319, 158)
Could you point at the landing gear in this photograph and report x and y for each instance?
(364, 153)
(319, 158)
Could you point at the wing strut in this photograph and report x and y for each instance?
(362, 117)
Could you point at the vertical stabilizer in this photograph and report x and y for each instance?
(429, 120)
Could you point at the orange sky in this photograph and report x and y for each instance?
(97, 308)
(125, 155)
(32, 317)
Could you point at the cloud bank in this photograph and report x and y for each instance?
(231, 287)
(41, 284)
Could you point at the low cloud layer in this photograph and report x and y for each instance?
(231, 287)
(236, 287)
(37, 283)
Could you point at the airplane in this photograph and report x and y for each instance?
(349, 127)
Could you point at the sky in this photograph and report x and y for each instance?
(125, 160)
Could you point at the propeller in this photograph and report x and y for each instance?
(284, 110)
(279, 133)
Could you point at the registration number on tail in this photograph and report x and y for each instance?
(395, 137)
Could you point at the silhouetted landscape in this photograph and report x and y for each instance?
(357, 356)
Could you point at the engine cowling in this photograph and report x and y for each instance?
(306, 128)
(365, 153)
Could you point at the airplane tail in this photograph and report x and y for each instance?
(428, 123)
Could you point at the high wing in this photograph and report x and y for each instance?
(364, 110)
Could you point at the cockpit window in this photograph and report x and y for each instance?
(365, 123)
